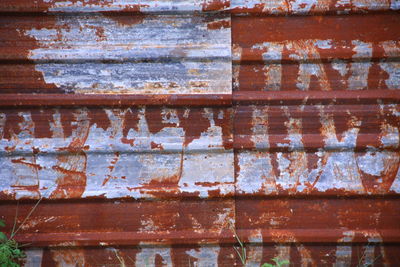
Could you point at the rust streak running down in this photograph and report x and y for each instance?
(149, 129)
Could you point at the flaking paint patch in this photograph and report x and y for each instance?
(306, 50)
(272, 71)
(336, 165)
(392, 68)
(316, 64)
(147, 256)
(204, 256)
(340, 171)
(255, 173)
(360, 70)
(254, 250)
(313, 6)
(193, 58)
(34, 257)
(68, 257)
(83, 164)
(343, 252)
(166, 6)
(396, 184)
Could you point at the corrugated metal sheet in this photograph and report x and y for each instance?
(149, 128)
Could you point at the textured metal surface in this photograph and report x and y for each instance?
(275, 53)
(269, 7)
(116, 54)
(134, 152)
(148, 129)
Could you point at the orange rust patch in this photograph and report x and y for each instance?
(156, 146)
(27, 163)
(219, 25)
(215, 5)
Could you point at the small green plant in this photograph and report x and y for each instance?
(241, 249)
(241, 252)
(10, 251)
(278, 263)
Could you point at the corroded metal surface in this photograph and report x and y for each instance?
(275, 53)
(116, 54)
(150, 129)
(135, 152)
(345, 149)
(269, 7)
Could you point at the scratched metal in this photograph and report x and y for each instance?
(134, 152)
(270, 7)
(309, 7)
(275, 53)
(347, 149)
(214, 256)
(159, 54)
(127, 179)
(73, 6)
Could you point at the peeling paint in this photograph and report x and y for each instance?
(87, 166)
(335, 166)
(128, 58)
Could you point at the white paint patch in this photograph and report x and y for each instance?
(396, 183)
(33, 257)
(370, 4)
(255, 173)
(359, 71)
(204, 256)
(372, 162)
(113, 168)
(306, 51)
(193, 58)
(303, 6)
(147, 256)
(323, 44)
(392, 68)
(395, 4)
(255, 249)
(175, 6)
(343, 252)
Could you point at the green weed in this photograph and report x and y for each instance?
(278, 263)
(241, 252)
(10, 252)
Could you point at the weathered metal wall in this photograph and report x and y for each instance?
(149, 128)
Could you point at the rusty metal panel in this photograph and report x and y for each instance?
(110, 6)
(311, 7)
(133, 152)
(116, 54)
(148, 129)
(317, 149)
(275, 53)
(267, 7)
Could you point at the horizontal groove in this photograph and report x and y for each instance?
(253, 12)
(231, 196)
(123, 60)
(255, 60)
(316, 97)
(208, 237)
(238, 97)
(284, 195)
(313, 147)
(71, 100)
(96, 12)
(235, 11)
(59, 151)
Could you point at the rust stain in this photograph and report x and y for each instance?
(215, 5)
(159, 180)
(11, 51)
(219, 24)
